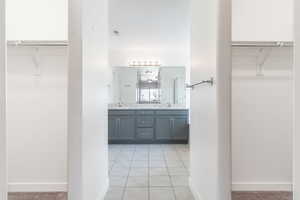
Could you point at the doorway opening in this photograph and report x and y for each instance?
(148, 128)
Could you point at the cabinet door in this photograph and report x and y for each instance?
(179, 128)
(126, 128)
(163, 128)
(112, 128)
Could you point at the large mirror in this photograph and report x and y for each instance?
(149, 85)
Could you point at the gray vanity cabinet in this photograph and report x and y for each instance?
(113, 127)
(148, 126)
(163, 128)
(179, 128)
(172, 128)
(126, 128)
(121, 128)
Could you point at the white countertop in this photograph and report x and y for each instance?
(146, 107)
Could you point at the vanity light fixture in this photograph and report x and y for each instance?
(142, 63)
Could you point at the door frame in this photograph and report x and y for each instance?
(296, 107)
(3, 142)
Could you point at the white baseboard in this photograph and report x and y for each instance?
(48, 187)
(262, 187)
(249, 187)
(37, 187)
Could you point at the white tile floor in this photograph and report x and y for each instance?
(149, 172)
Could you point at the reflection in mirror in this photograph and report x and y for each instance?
(149, 85)
(173, 85)
(148, 88)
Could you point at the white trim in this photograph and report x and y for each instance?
(296, 97)
(37, 187)
(48, 187)
(262, 186)
(3, 147)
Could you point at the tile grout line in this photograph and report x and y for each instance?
(169, 175)
(182, 162)
(113, 163)
(177, 154)
(111, 168)
(130, 166)
(185, 167)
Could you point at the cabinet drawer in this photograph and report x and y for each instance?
(145, 112)
(145, 121)
(172, 112)
(121, 112)
(145, 133)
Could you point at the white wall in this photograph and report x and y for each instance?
(3, 152)
(167, 56)
(296, 95)
(262, 20)
(37, 118)
(210, 105)
(89, 76)
(253, 20)
(262, 113)
(37, 20)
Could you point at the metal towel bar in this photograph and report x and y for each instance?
(210, 81)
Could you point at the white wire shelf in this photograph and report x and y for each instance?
(66, 43)
(34, 43)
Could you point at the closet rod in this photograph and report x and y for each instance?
(65, 43)
(262, 44)
(35, 43)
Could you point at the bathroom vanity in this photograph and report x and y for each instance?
(148, 126)
(149, 106)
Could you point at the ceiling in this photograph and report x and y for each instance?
(149, 24)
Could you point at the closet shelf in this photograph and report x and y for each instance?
(262, 44)
(35, 43)
(66, 43)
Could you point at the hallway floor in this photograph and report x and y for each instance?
(149, 172)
